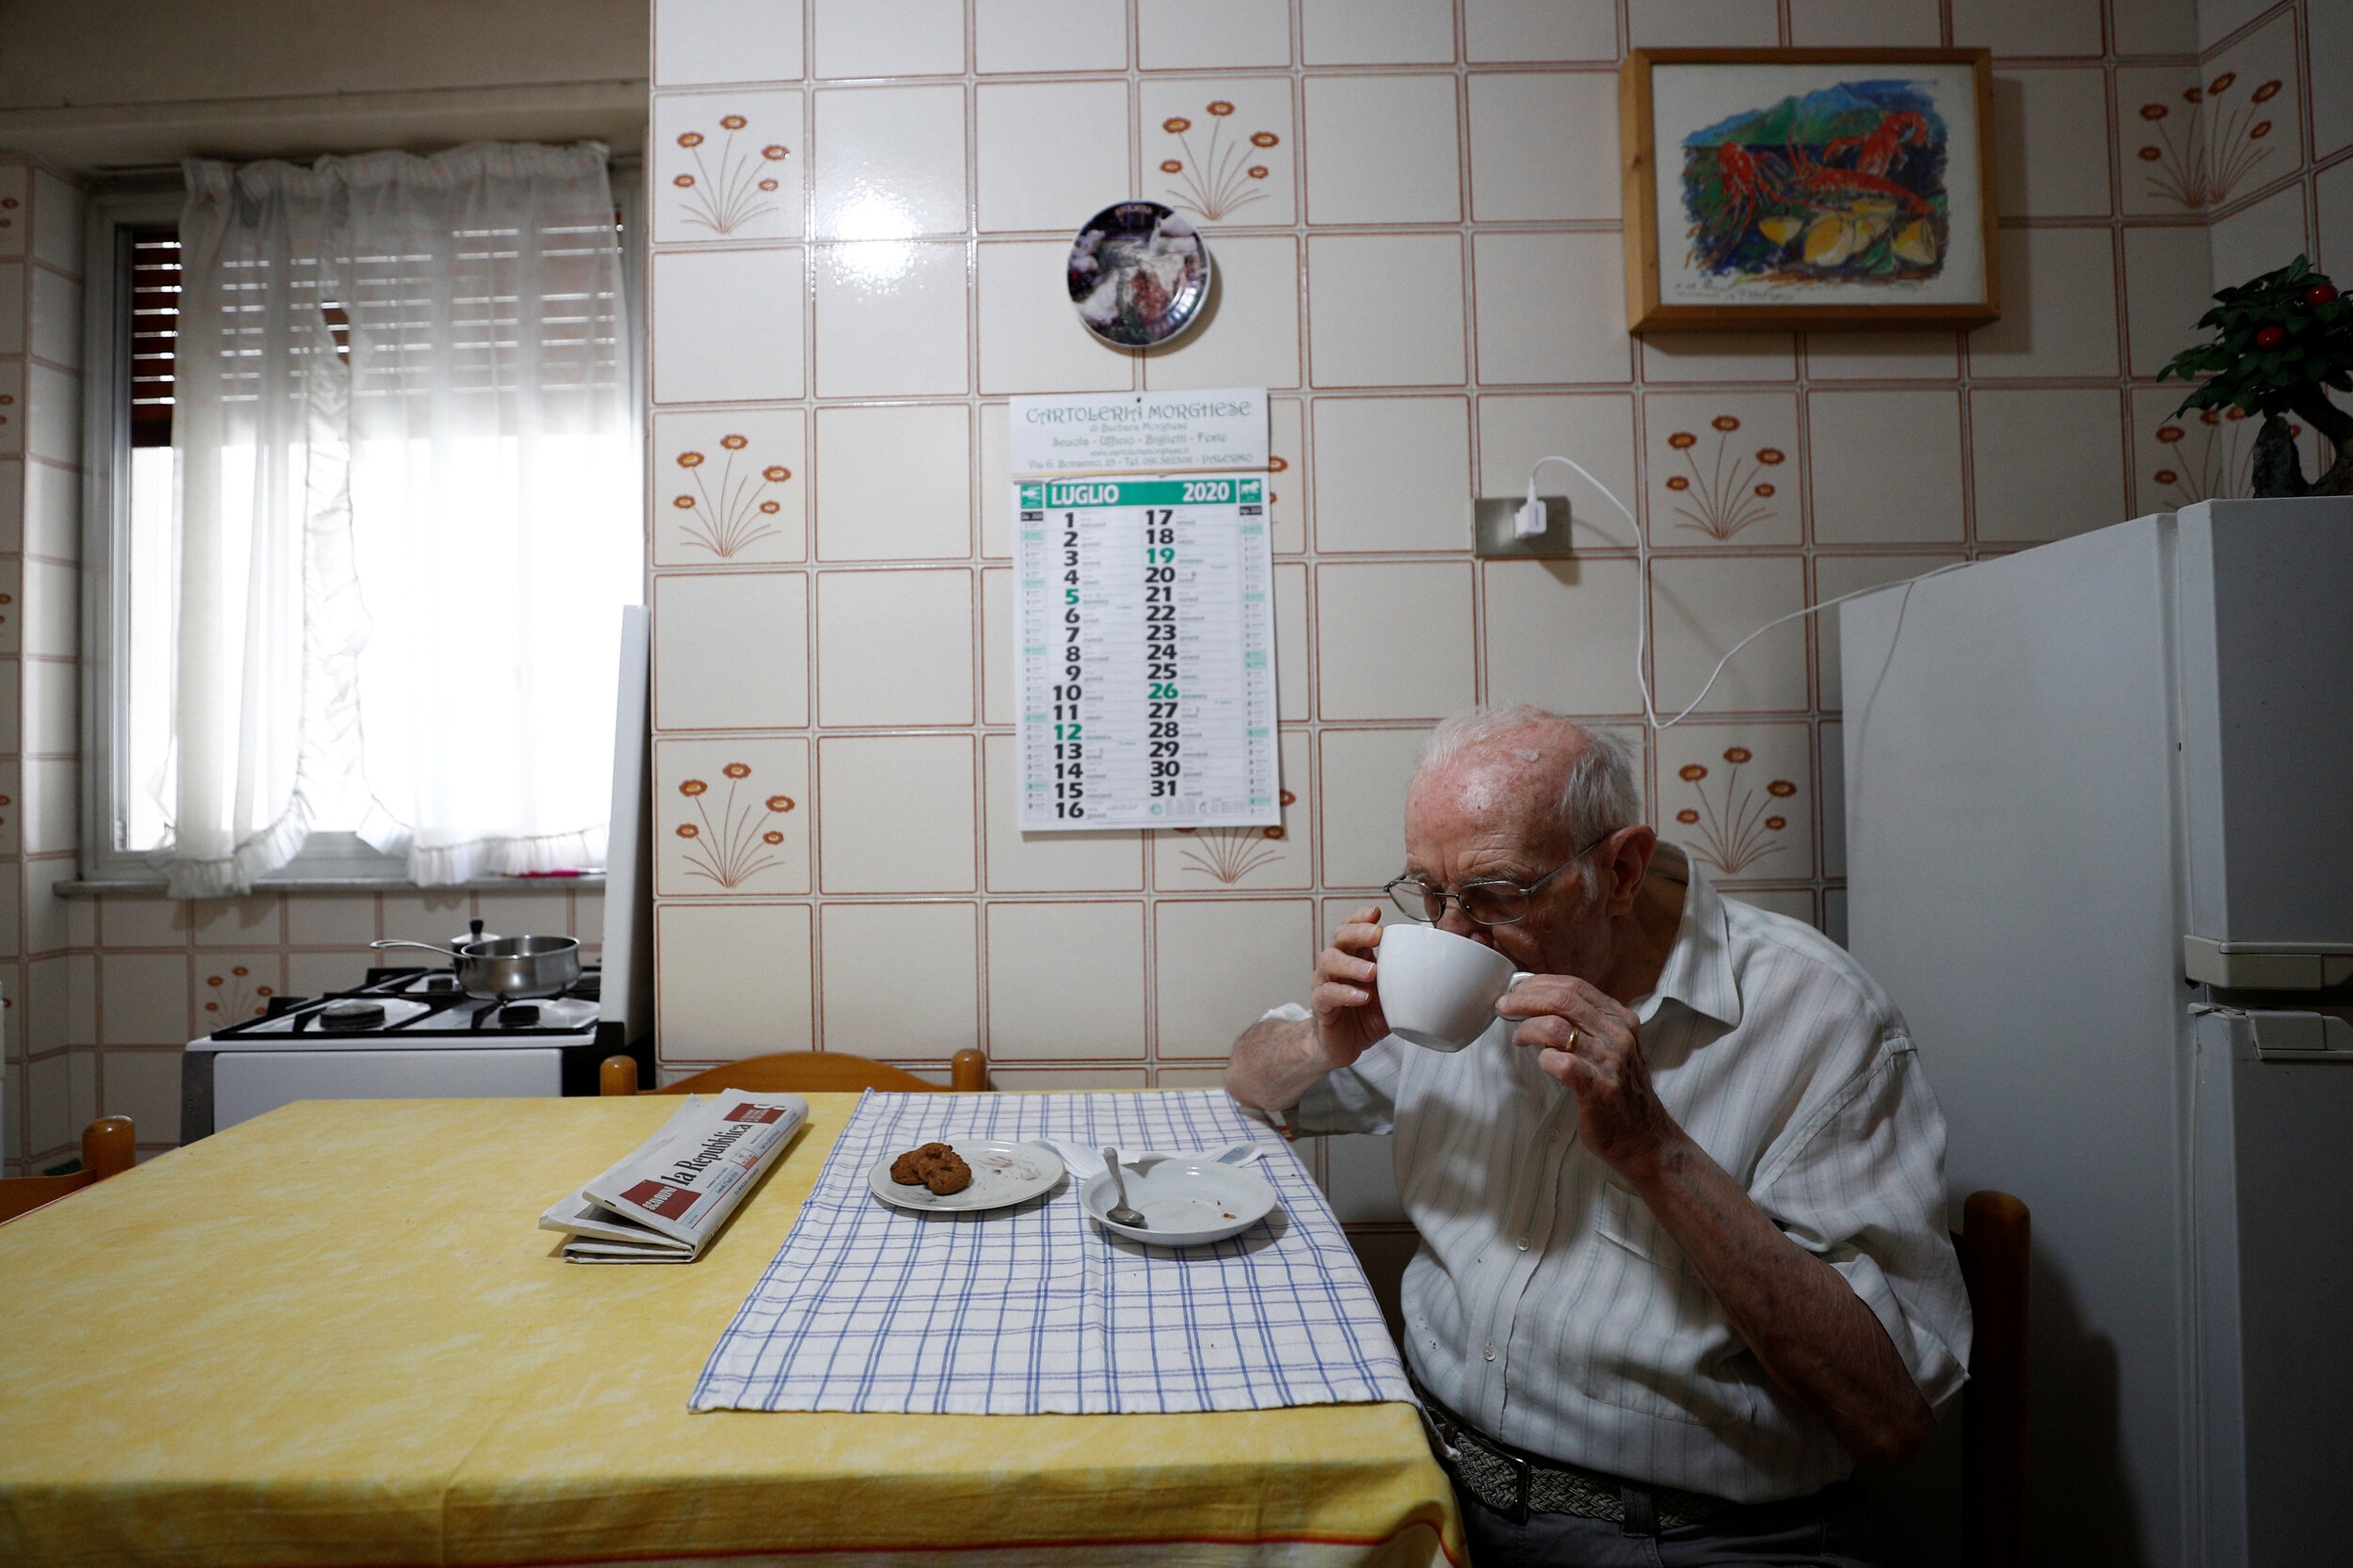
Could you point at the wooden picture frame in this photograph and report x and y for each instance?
(1808, 189)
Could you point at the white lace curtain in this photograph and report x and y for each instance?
(407, 512)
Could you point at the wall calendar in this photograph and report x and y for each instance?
(1146, 626)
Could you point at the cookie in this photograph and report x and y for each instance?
(948, 1173)
(913, 1168)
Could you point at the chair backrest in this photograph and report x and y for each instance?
(798, 1072)
(109, 1147)
(1994, 1243)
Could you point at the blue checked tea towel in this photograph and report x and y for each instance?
(1037, 1308)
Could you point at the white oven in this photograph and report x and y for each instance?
(246, 1083)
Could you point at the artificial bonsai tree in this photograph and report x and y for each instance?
(2280, 342)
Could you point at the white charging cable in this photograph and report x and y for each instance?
(1641, 606)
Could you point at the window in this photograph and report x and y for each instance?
(151, 267)
(407, 476)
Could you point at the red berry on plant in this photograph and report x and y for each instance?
(2271, 336)
(2320, 294)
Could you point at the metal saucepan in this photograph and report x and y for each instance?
(507, 966)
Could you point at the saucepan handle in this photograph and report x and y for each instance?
(403, 942)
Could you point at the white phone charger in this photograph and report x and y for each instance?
(1528, 521)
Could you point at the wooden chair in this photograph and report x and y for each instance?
(798, 1072)
(1993, 1244)
(108, 1148)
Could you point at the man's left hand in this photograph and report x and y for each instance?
(1592, 1043)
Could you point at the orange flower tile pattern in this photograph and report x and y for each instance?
(733, 508)
(1219, 179)
(2207, 453)
(234, 997)
(1736, 826)
(1726, 489)
(738, 842)
(2198, 156)
(729, 187)
(1226, 855)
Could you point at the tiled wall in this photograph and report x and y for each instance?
(41, 435)
(860, 209)
(1426, 274)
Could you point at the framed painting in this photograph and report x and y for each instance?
(1769, 189)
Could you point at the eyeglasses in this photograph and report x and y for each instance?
(1494, 901)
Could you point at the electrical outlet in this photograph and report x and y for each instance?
(1495, 532)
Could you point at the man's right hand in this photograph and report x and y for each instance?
(1346, 999)
(1278, 1059)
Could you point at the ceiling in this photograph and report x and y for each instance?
(107, 84)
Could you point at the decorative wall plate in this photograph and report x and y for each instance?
(1139, 274)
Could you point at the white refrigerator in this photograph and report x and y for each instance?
(2099, 802)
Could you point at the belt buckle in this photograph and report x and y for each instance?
(1523, 1480)
(1458, 1435)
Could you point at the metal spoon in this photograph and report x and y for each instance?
(1120, 1214)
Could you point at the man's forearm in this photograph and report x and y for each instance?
(1815, 1335)
(1275, 1061)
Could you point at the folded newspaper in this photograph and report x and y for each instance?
(674, 1192)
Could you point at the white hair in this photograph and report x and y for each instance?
(1596, 795)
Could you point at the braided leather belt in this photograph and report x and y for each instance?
(1518, 1484)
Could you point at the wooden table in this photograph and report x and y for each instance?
(249, 1352)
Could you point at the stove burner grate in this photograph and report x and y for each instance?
(396, 1004)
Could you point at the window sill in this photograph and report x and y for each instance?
(94, 886)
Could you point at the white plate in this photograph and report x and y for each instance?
(1002, 1173)
(1185, 1200)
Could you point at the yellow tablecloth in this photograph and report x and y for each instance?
(254, 1351)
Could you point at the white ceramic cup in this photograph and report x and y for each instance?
(1439, 990)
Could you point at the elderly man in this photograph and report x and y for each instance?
(1683, 1258)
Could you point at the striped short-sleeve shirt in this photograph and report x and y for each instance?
(1548, 1307)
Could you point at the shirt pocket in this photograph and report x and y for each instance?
(1659, 1344)
(1628, 1221)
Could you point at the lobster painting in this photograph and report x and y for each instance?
(1825, 186)
(1885, 145)
(1844, 185)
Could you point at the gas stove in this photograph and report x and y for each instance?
(420, 1009)
(401, 1033)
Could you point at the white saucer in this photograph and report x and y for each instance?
(1185, 1200)
(1002, 1174)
